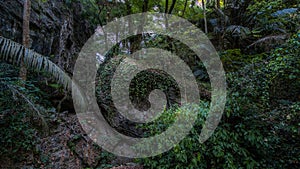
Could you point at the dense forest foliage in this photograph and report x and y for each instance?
(258, 42)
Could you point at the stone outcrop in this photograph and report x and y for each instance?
(57, 29)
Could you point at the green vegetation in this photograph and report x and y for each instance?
(259, 44)
(259, 121)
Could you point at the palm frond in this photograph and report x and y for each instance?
(287, 11)
(237, 31)
(12, 52)
(269, 40)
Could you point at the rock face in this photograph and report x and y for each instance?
(57, 29)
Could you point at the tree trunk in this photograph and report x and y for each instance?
(129, 41)
(172, 6)
(167, 6)
(145, 6)
(26, 36)
(185, 4)
(136, 41)
(204, 15)
(221, 23)
(218, 4)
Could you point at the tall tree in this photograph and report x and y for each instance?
(167, 6)
(26, 36)
(167, 10)
(145, 6)
(185, 4)
(172, 6)
(204, 15)
(218, 4)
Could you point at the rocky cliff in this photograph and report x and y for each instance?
(57, 28)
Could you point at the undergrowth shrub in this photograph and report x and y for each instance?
(21, 116)
(260, 127)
